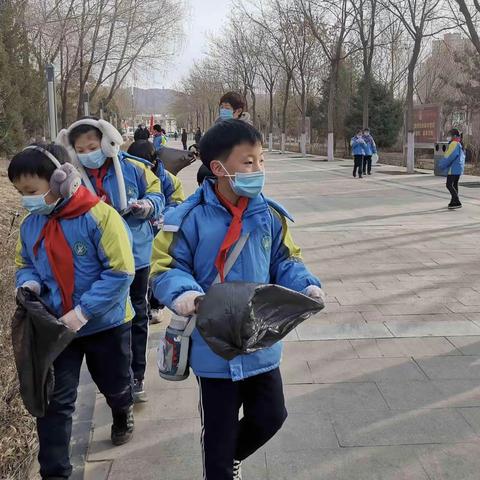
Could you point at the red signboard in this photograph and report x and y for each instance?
(426, 123)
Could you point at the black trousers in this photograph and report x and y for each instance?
(108, 357)
(226, 438)
(452, 187)
(184, 145)
(138, 295)
(358, 165)
(367, 164)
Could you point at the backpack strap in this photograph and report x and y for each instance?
(233, 256)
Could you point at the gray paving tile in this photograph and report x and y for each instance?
(319, 350)
(432, 328)
(371, 428)
(451, 368)
(378, 463)
(360, 329)
(404, 347)
(330, 398)
(451, 462)
(468, 345)
(304, 432)
(365, 370)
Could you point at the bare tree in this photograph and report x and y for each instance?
(331, 22)
(420, 20)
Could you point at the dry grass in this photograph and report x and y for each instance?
(17, 427)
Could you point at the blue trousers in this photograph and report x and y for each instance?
(108, 357)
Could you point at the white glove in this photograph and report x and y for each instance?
(142, 209)
(74, 319)
(315, 292)
(33, 285)
(184, 304)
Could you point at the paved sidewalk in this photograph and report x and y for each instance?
(385, 384)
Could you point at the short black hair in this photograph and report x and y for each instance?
(143, 149)
(219, 141)
(203, 173)
(34, 162)
(235, 99)
(157, 127)
(82, 129)
(454, 132)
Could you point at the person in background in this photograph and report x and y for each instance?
(157, 137)
(135, 192)
(232, 105)
(74, 251)
(370, 149)
(358, 150)
(198, 135)
(453, 163)
(141, 133)
(184, 138)
(175, 135)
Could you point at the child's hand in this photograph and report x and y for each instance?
(141, 209)
(315, 292)
(74, 319)
(185, 304)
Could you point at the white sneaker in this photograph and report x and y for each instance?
(237, 470)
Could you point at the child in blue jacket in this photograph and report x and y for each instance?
(453, 163)
(75, 252)
(189, 253)
(358, 150)
(134, 191)
(370, 150)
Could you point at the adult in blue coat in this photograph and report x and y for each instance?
(453, 163)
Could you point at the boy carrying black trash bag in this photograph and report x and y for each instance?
(191, 251)
(74, 251)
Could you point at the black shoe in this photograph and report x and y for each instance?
(354, 176)
(122, 427)
(360, 176)
(454, 206)
(369, 173)
(139, 395)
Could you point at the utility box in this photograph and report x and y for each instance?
(438, 153)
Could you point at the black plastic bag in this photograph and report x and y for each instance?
(240, 318)
(38, 338)
(175, 160)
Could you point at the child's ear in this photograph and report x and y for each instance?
(217, 169)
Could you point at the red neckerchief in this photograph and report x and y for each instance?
(99, 175)
(58, 250)
(234, 231)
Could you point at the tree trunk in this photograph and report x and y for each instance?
(331, 110)
(366, 97)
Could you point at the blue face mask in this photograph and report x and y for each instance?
(93, 159)
(36, 204)
(226, 113)
(247, 184)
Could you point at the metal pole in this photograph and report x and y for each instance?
(86, 106)
(52, 107)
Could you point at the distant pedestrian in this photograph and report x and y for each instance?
(157, 137)
(453, 163)
(358, 150)
(370, 150)
(141, 133)
(175, 135)
(184, 138)
(198, 135)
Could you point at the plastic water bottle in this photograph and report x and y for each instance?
(172, 352)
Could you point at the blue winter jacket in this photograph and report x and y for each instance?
(158, 141)
(140, 183)
(370, 146)
(358, 146)
(172, 188)
(453, 162)
(183, 259)
(104, 267)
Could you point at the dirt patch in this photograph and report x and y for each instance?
(17, 427)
